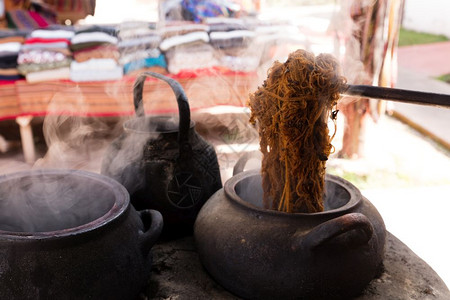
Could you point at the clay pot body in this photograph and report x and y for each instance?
(258, 253)
(67, 234)
(163, 162)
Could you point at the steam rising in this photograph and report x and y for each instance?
(76, 141)
(43, 202)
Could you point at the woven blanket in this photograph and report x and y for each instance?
(52, 34)
(48, 75)
(9, 104)
(23, 19)
(12, 39)
(145, 63)
(191, 57)
(101, 51)
(115, 98)
(185, 39)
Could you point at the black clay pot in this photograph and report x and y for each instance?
(67, 234)
(163, 162)
(258, 253)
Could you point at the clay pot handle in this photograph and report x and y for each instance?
(183, 105)
(330, 229)
(152, 220)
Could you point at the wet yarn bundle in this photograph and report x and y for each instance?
(291, 110)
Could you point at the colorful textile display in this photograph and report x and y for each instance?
(10, 44)
(96, 69)
(190, 57)
(186, 47)
(96, 54)
(184, 39)
(45, 55)
(138, 47)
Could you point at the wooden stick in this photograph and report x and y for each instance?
(399, 95)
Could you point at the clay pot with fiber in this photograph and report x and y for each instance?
(259, 253)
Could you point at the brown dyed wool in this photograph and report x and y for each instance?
(291, 109)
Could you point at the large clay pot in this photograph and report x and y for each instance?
(67, 234)
(265, 254)
(163, 162)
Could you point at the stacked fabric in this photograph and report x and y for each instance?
(45, 55)
(95, 55)
(10, 44)
(138, 47)
(233, 41)
(186, 47)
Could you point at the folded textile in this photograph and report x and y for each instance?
(192, 37)
(38, 40)
(94, 64)
(129, 55)
(98, 75)
(52, 34)
(156, 69)
(40, 56)
(136, 32)
(87, 37)
(10, 47)
(47, 75)
(11, 71)
(150, 41)
(145, 63)
(5, 33)
(110, 30)
(10, 74)
(10, 77)
(80, 46)
(12, 39)
(101, 51)
(226, 24)
(8, 60)
(180, 28)
(229, 39)
(24, 69)
(248, 63)
(62, 45)
(190, 57)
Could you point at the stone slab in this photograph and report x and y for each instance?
(178, 274)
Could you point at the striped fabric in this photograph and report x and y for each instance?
(9, 106)
(23, 19)
(115, 98)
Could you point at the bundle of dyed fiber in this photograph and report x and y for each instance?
(291, 109)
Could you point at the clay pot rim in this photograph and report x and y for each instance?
(128, 128)
(230, 192)
(121, 204)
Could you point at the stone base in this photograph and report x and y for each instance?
(178, 274)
